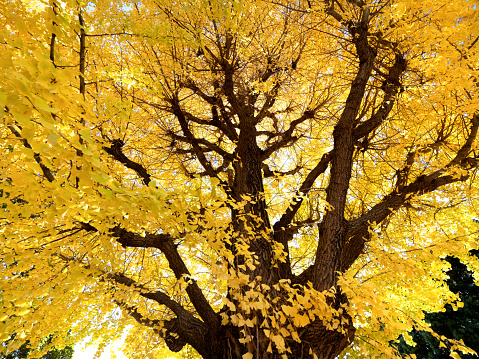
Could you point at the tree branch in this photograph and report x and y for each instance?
(47, 173)
(267, 172)
(357, 232)
(115, 150)
(391, 87)
(225, 125)
(287, 137)
(293, 208)
(211, 146)
(157, 296)
(192, 140)
(53, 38)
(176, 332)
(228, 88)
(329, 246)
(357, 229)
(164, 242)
(402, 174)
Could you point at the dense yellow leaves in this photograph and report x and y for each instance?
(65, 198)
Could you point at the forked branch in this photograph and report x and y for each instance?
(157, 296)
(174, 331)
(357, 229)
(391, 85)
(165, 244)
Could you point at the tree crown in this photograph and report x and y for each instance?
(253, 179)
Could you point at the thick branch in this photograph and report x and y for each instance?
(327, 260)
(192, 140)
(466, 148)
(185, 328)
(225, 125)
(358, 228)
(228, 89)
(210, 146)
(157, 296)
(293, 208)
(133, 240)
(195, 294)
(402, 174)
(269, 102)
(391, 87)
(53, 38)
(270, 96)
(173, 330)
(115, 150)
(191, 85)
(267, 172)
(165, 244)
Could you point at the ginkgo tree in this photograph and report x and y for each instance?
(249, 179)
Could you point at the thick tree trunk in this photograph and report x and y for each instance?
(315, 338)
(252, 226)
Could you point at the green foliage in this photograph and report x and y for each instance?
(25, 350)
(460, 324)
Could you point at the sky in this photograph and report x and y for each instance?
(85, 351)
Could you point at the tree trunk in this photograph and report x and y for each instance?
(314, 338)
(252, 226)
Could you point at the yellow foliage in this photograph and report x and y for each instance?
(267, 167)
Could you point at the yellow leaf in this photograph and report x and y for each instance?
(295, 337)
(42, 105)
(23, 312)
